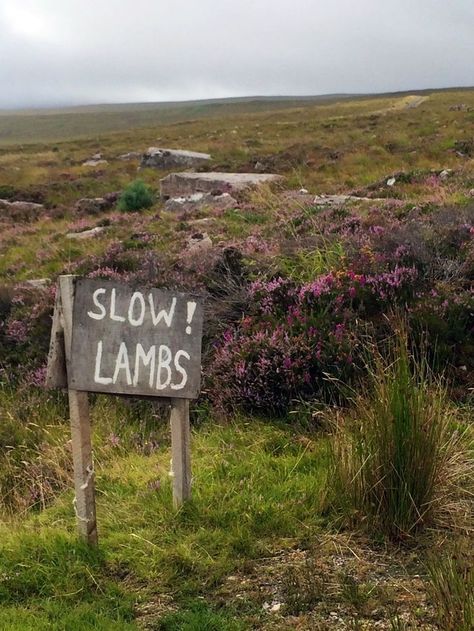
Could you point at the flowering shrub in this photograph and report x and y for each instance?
(293, 333)
(25, 324)
(300, 339)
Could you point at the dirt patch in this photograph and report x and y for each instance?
(339, 584)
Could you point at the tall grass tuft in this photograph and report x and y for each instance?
(452, 587)
(399, 462)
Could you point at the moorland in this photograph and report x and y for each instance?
(332, 440)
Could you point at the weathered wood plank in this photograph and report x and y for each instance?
(180, 451)
(56, 376)
(142, 342)
(84, 502)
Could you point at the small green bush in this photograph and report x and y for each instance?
(136, 196)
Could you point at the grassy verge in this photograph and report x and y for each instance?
(256, 487)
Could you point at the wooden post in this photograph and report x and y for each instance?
(84, 502)
(180, 451)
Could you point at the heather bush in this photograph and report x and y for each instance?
(296, 330)
(297, 340)
(136, 196)
(25, 325)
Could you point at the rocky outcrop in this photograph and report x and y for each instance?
(96, 205)
(198, 242)
(186, 184)
(198, 201)
(95, 162)
(20, 211)
(131, 155)
(85, 234)
(38, 283)
(173, 158)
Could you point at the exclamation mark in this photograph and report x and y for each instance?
(191, 310)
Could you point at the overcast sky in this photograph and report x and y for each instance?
(55, 52)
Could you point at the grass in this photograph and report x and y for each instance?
(241, 509)
(452, 587)
(398, 465)
(197, 616)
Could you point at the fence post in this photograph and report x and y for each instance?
(180, 451)
(84, 483)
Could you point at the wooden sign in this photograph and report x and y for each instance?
(112, 338)
(137, 342)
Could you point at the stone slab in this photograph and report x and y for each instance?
(185, 184)
(159, 158)
(86, 234)
(197, 201)
(20, 211)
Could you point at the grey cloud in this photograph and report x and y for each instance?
(66, 51)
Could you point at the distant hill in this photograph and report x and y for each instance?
(58, 124)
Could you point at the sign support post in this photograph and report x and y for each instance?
(112, 338)
(180, 451)
(84, 502)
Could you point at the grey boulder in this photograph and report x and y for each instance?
(199, 242)
(20, 211)
(85, 234)
(197, 201)
(96, 205)
(185, 184)
(173, 158)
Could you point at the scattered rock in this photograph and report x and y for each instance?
(464, 148)
(338, 200)
(131, 155)
(94, 163)
(112, 198)
(96, 205)
(173, 158)
(303, 191)
(96, 156)
(91, 205)
(445, 173)
(204, 221)
(20, 211)
(199, 241)
(185, 184)
(38, 283)
(460, 107)
(182, 203)
(274, 607)
(471, 192)
(86, 234)
(391, 181)
(197, 201)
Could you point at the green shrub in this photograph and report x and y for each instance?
(397, 465)
(136, 196)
